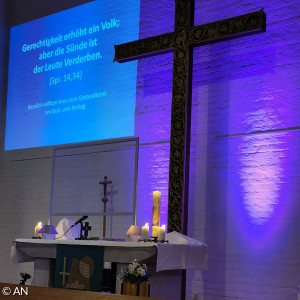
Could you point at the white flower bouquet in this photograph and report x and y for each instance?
(135, 273)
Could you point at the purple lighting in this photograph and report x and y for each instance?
(260, 173)
(259, 189)
(153, 113)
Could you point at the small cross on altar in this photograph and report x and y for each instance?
(86, 228)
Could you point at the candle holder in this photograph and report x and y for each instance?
(36, 238)
(163, 241)
(153, 240)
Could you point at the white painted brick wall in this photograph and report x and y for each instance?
(242, 86)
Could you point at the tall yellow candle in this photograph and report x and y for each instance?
(156, 213)
(155, 230)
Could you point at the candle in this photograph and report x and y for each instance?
(156, 213)
(155, 230)
(161, 233)
(145, 232)
(37, 228)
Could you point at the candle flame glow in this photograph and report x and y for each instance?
(147, 224)
(39, 224)
(164, 226)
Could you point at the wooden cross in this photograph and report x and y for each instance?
(104, 200)
(181, 42)
(64, 273)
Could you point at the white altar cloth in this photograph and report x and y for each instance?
(181, 252)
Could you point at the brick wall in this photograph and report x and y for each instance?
(243, 193)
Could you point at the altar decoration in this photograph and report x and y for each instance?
(48, 232)
(79, 267)
(133, 233)
(66, 230)
(134, 279)
(156, 213)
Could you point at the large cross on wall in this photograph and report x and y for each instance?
(181, 42)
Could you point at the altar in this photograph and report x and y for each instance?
(165, 255)
(164, 260)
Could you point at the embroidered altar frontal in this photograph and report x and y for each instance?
(79, 267)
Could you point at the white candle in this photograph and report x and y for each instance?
(145, 232)
(161, 233)
(37, 228)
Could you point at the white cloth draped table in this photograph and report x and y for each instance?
(181, 252)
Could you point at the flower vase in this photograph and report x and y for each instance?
(129, 289)
(143, 289)
(132, 289)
